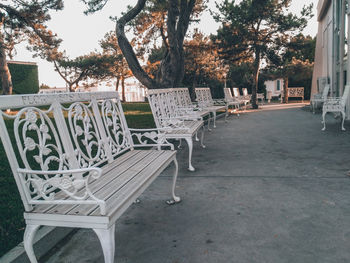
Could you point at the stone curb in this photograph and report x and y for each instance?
(45, 239)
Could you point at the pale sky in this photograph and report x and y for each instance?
(81, 33)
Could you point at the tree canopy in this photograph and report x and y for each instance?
(167, 20)
(253, 29)
(20, 21)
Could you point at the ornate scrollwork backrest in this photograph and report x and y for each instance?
(183, 98)
(37, 140)
(163, 105)
(199, 95)
(295, 92)
(171, 103)
(89, 149)
(236, 92)
(178, 98)
(118, 138)
(228, 95)
(40, 148)
(153, 100)
(207, 95)
(204, 96)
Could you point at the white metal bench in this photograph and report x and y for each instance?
(320, 97)
(244, 101)
(183, 102)
(259, 96)
(336, 105)
(76, 163)
(295, 92)
(206, 102)
(179, 124)
(230, 100)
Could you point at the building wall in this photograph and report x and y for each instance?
(271, 85)
(324, 44)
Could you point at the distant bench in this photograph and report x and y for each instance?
(75, 161)
(296, 92)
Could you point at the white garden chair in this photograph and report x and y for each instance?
(336, 105)
(319, 98)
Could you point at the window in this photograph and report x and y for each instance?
(278, 85)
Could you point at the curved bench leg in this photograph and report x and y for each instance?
(29, 234)
(190, 149)
(324, 121)
(196, 138)
(107, 240)
(202, 138)
(226, 113)
(175, 199)
(214, 117)
(209, 122)
(180, 144)
(343, 119)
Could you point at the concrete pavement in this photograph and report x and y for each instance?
(269, 187)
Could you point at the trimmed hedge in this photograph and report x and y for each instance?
(25, 78)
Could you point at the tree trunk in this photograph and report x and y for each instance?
(191, 89)
(117, 84)
(123, 88)
(171, 70)
(127, 49)
(70, 87)
(285, 89)
(256, 79)
(5, 75)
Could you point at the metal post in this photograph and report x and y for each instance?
(348, 62)
(341, 48)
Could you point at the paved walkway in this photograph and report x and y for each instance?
(269, 187)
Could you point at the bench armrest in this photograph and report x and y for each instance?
(219, 102)
(41, 186)
(150, 137)
(334, 100)
(174, 123)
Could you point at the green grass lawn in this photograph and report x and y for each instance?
(138, 115)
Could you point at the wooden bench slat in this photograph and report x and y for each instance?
(114, 186)
(105, 179)
(121, 162)
(120, 197)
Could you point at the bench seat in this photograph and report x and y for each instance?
(191, 129)
(121, 183)
(216, 108)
